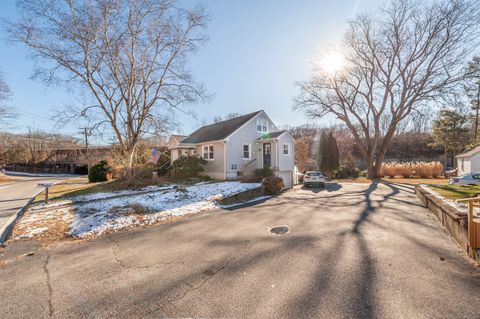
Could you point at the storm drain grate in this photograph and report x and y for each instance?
(279, 230)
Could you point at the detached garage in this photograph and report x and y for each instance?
(469, 162)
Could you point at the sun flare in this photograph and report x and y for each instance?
(333, 62)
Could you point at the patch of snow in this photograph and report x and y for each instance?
(101, 214)
(461, 207)
(95, 196)
(32, 232)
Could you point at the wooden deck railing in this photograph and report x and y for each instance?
(473, 222)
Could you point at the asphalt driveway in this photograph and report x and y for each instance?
(353, 251)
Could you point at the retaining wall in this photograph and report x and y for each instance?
(446, 214)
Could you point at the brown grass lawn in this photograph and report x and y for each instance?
(409, 181)
(4, 179)
(80, 186)
(456, 191)
(72, 187)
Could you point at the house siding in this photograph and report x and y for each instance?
(286, 162)
(214, 168)
(228, 162)
(246, 135)
(471, 164)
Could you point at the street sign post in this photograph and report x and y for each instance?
(46, 186)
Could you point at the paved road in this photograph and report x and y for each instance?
(353, 251)
(14, 195)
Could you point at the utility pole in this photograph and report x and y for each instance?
(87, 132)
(477, 108)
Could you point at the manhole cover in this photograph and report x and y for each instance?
(279, 230)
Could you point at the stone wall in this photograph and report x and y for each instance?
(242, 197)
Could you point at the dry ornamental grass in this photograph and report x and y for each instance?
(412, 170)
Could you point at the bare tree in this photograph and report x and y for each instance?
(472, 88)
(410, 54)
(6, 113)
(219, 118)
(130, 56)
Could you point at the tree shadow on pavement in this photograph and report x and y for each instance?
(329, 187)
(216, 280)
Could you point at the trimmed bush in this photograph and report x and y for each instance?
(188, 166)
(346, 172)
(272, 185)
(99, 172)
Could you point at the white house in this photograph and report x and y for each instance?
(469, 162)
(239, 146)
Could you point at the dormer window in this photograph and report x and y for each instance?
(262, 125)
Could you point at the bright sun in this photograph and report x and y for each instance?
(333, 62)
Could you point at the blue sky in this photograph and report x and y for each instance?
(256, 52)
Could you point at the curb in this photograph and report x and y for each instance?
(6, 230)
(12, 173)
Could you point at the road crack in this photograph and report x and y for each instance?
(209, 273)
(147, 267)
(49, 285)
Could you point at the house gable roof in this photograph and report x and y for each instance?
(472, 152)
(270, 135)
(218, 131)
(179, 137)
(175, 139)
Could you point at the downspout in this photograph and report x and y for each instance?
(225, 159)
(276, 156)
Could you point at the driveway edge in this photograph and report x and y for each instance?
(6, 229)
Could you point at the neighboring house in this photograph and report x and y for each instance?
(239, 146)
(469, 162)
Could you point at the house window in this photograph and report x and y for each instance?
(234, 167)
(246, 151)
(262, 125)
(286, 149)
(179, 153)
(205, 152)
(210, 152)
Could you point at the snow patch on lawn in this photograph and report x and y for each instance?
(101, 214)
(95, 196)
(461, 207)
(33, 232)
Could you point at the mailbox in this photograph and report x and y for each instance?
(46, 186)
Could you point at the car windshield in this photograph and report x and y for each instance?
(314, 174)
